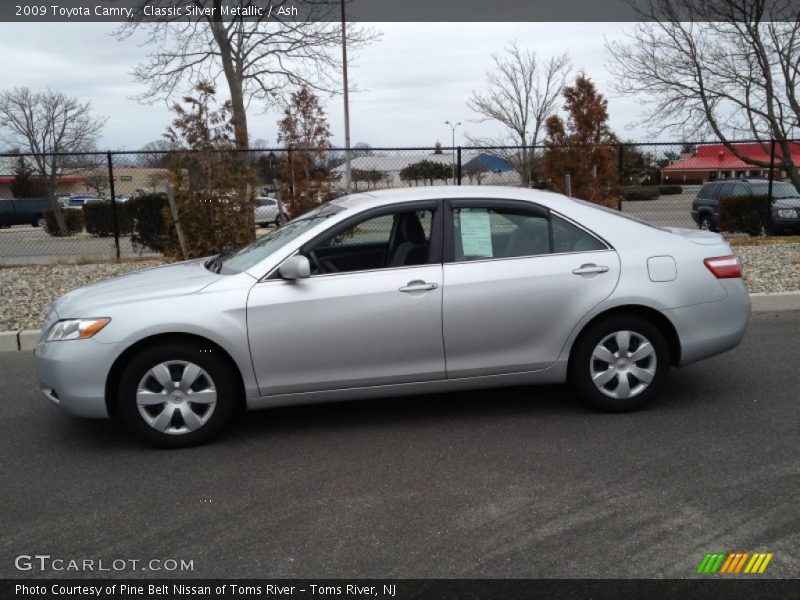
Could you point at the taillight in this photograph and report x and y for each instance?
(694, 204)
(724, 267)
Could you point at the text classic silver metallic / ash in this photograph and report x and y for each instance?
(410, 291)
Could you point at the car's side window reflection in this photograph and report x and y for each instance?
(497, 233)
(392, 240)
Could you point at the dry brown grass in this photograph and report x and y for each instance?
(764, 241)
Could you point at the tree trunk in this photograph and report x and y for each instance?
(54, 205)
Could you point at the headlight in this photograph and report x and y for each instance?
(75, 329)
(787, 213)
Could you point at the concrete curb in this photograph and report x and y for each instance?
(762, 303)
(775, 302)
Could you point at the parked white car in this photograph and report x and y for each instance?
(268, 212)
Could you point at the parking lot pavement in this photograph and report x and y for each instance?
(665, 211)
(29, 245)
(506, 483)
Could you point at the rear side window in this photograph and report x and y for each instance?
(499, 233)
(725, 190)
(740, 189)
(707, 191)
(481, 233)
(571, 238)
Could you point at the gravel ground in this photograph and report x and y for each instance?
(28, 291)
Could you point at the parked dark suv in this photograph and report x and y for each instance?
(785, 201)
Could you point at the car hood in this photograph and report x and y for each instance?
(158, 282)
(786, 203)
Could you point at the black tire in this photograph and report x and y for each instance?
(40, 222)
(582, 362)
(706, 223)
(222, 380)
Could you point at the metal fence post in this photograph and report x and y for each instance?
(113, 201)
(620, 159)
(458, 164)
(568, 185)
(771, 169)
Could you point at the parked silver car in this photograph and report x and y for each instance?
(398, 292)
(269, 212)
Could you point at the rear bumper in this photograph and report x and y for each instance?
(73, 374)
(711, 328)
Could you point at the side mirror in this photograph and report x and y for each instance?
(295, 267)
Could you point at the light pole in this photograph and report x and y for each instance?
(453, 128)
(347, 173)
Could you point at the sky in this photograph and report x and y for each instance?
(417, 76)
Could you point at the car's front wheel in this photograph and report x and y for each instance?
(177, 394)
(620, 363)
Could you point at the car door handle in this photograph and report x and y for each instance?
(418, 286)
(589, 269)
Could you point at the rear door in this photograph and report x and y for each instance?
(517, 279)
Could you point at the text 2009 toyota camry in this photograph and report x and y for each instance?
(398, 292)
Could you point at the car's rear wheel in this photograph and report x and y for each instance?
(177, 394)
(706, 224)
(620, 363)
(40, 222)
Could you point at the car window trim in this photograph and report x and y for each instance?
(435, 243)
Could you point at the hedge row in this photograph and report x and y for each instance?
(746, 214)
(72, 218)
(640, 193)
(142, 218)
(670, 189)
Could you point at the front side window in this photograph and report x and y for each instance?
(499, 233)
(255, 252)
(398, 239)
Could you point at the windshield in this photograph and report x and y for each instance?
(780, 189)
(256, 251)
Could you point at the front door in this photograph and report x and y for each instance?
(369, 315)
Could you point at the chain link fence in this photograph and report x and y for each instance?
(109, 206)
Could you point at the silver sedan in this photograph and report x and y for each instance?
(398, 292)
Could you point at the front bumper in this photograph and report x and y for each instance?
(73, 374)
(713, 327)
(785, 225)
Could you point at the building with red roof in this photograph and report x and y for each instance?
(715, 161)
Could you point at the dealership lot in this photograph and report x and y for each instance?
(504, 483)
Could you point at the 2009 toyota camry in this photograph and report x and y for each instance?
(398, 292)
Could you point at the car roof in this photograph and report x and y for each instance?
(437, 192)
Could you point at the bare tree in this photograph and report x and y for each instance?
(46, 124)
(521, 93)
(258, 57)
(153, 155)
(725, 67)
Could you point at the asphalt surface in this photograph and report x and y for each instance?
(507, 483)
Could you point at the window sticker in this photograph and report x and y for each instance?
(476, 233)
